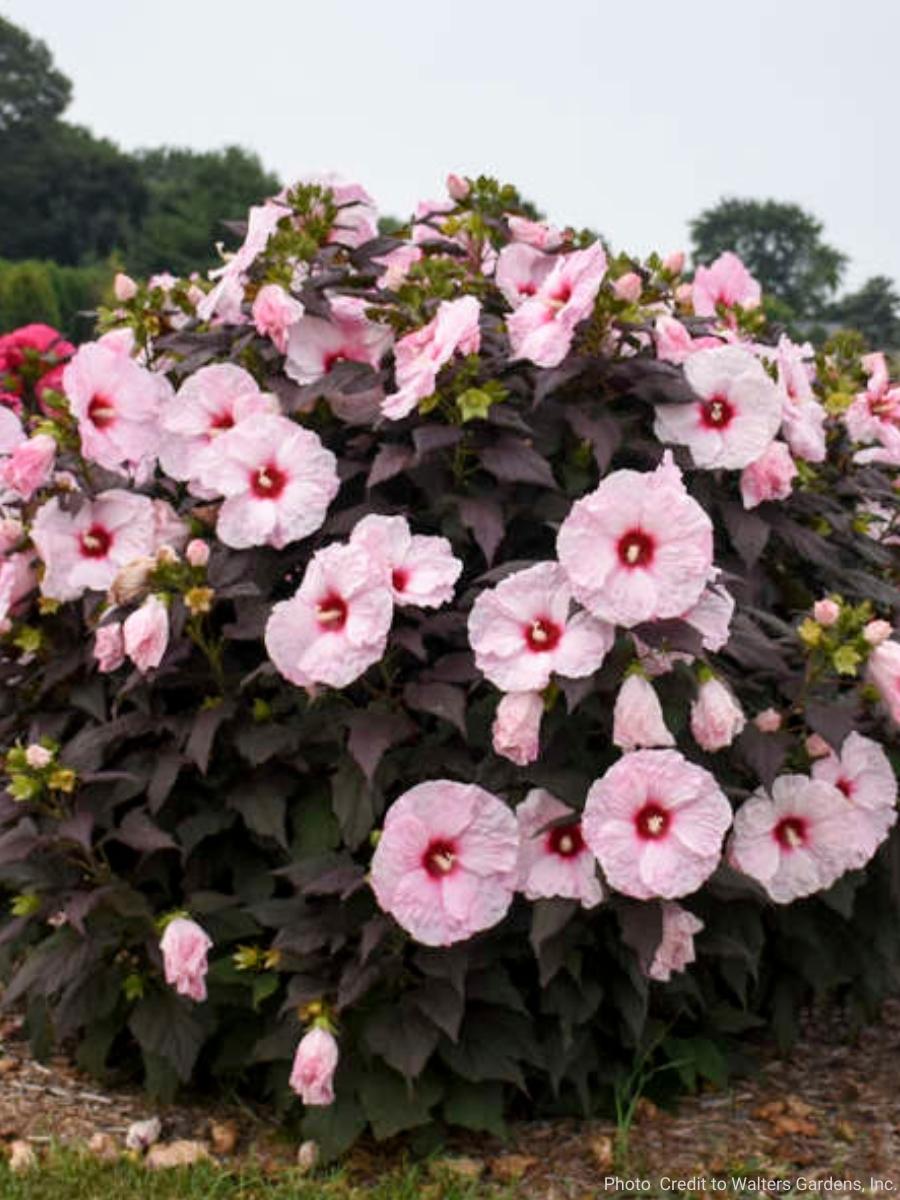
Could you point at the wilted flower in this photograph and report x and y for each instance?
(638, 721)
(184, 946)
(716, 717)
(516, 732)
(275, 311)
(419, 356)
(109, 647)
(29, 466)
(769, 477)
(315, 1062)
(542, 328)
(676, 950)
(146, 634)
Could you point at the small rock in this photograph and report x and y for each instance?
(103, 1146)
(182, 1153)
(602, 1150)
(224, 1136)
(307, 1156)
(510, 1167)
(143, 1134)
(462, 1168)
(8, 1065)
(22, 1157)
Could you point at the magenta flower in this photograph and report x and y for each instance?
(423, 570)
(274, 312)
(716, 716)
(211, 401)
(85, 550)
(117, 404)
(184, 947)
(541, 329)
(676, 950)
(445, 864)
(638, 721)
(522, 632)
(315, 346)
(277, 479)
(336, 625)
(554, 861)
(29, 466)
(863, 774)
(883, 672)
(315, 1062)
(655, 823)
(796, 842)
(737, 413)
(727, 282)
(516, 731)
(419, 356)
(638, 548)
(145, 634)
(109, 647)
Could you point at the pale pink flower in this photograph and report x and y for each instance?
(419, 356)
(315, 346)
(768, 721)
(684, 294)
(628, 287)
(676, 950)
(674, 262)
(211, 401)
(357, 219)
(397, 263)
(675, 344)
(423, 570)
(826, 612)
(457, 187)
(109, 647)
(769, 477)
(556, 861)
(816, 746)
(170, 533)
(145, 634)
(534, 233)
(124, 288)
(38, 756)
(521, 269)
(737, 413)
(638, 548)
(225, 299)
(274, 312)
(726, 281)
(29, 466)
(184, 947)
(445, 864)
(711, 616)
(516, 731)
(197, 552)
(803, 417)
(12, 435)
(542, 328)
(277, 479)
(796, 842)
(117, 404)
(716, 716)
(863, 774)
(336, 625)
(887, 450)
(18, 577)
(638, 721)
(85, 550)
(315, 1062)
(655, 823)
(876, 632)
(522, 631)
(878, 407)
(883, 672)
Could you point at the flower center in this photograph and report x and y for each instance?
(566, 840)
(439, 860)
(399, 579)
(716, 412)
(526, 289)
(790, 832)
(268, 482)
(652, 821)
(845, 786)
(95, 542)
(562, 295)
(636, 548)
(101, 411)
(332, 358)
(222, 420)
(331, 613)
(542, 634)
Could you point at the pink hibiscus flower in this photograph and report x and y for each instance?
(676, 950)
(521, 269)
(85, 550)
(336, 625)
(883, 672)
(184, 947)
(12, 435)
(534, 233)
(445, 864)
(737, 413)
(863, 774)
(423, 570)
(541, 329)
(878, 407)
(802, 417)
(212, 400)
(796, 842)
(29, 466)
(726, 281)
(397, 263)
(18, 577)
(655, 823)
(277, 479)
(419, 356)
(522, 632)
(315, 346)
(145, 634)
(554, 861)
(117, 404)
(639, 548)
(274, 312)
(516, 731)
(769, 477)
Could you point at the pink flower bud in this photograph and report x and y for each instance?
(312, 1074)
(768, 721)
(628, 287)
(877, 632)
(197, 552)
(109, 648)
(124, 288)
(38, 756)
(817, 747)
(184, 948)
(638, 717)
(716, 717)
(146, 634)
(457, 187)
(517, 727)
(684, 294)
(826, 612)
(674, 262)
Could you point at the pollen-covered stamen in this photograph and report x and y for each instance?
(542, 634)
(790, 833)
(331, 613)
(95, 542)
(652, 821)
(716, 412)
(440, 858)
(101, 411)
(566, 840)
(268, 482)
(636, 548)
(332, 359)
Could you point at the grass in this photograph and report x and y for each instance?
(70, 1175)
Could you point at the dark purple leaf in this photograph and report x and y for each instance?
(142, 834)
(371, 733)
(440, 699)
(391, 460)
(485, 519)
(206, 725)
(513, 460)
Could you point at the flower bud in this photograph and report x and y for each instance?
(768, 721)
(457, 187)
(38, 756)
(312, 1074)
(817, 747)
(684, 294)
(628, 287)
(716, 717)
(197, 552)
(826, 612)
(124, 288)
(674, 262)
(876, 632)
(638, 720)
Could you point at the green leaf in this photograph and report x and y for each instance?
(264, 986)
(477, 1106)
(392, 1106)
(164, 1027)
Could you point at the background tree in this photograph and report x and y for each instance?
(781, 245)
(874, 310)
(32, 90)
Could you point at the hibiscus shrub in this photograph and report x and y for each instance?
(438, 668)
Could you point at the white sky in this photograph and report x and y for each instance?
(629, 117)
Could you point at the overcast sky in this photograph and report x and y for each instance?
(627, 117)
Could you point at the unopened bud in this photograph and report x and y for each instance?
(628, 287)
(768, 721)
(197, 552)
(124, 288)
(457, 187)
(674, 262)
(877, 632)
